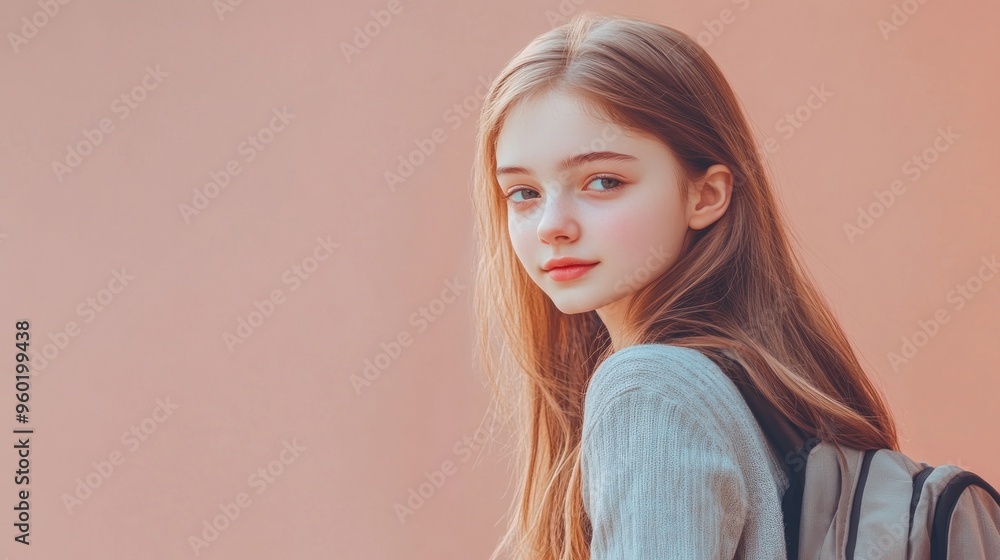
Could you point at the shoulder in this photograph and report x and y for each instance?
(657, 443)
(681, 375)
(670, 458)
(647, 380)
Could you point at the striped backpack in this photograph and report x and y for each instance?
(853, 504)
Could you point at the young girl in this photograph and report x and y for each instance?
(636, 281)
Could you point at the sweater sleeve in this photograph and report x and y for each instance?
(659, 479)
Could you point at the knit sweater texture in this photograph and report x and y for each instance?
(674, 465)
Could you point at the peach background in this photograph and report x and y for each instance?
(322, 176)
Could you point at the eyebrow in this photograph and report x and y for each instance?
(571, 161)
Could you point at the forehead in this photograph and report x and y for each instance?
(541, 130)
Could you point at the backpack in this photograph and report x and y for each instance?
(869, 504)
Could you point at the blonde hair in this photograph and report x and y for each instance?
(737, 289)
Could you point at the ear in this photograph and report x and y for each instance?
(709, 196)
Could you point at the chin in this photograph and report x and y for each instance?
(573, 304)
(573, 310)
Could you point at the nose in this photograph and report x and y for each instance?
(558, 221)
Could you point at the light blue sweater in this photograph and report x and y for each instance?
(674, 465)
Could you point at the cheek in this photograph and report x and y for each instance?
(646, 237)
(521, 239)
(625, 230)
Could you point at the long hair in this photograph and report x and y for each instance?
(737, 290)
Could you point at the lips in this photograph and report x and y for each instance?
(571, 272)
(565, 262)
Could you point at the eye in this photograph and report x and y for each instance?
(609, 178)
(511, 195)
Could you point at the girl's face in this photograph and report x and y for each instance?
(615, 203)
